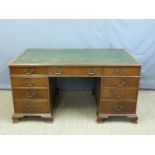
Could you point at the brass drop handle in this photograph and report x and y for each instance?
(118, 108)
(29, 84)
(118, 95)
(58, 71)
(28, 71)
(121, 83)
(119, 71)
(91, 71)
(31, 94)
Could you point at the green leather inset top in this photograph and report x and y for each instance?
(75, 57)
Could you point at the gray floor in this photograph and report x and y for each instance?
(76, 114)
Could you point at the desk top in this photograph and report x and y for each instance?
(75, 57)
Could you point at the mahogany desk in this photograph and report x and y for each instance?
(33, 75)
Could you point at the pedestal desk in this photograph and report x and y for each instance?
(115, 71)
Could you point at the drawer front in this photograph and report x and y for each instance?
(119, 93)
(72, 71)
(29, 82)
(113, 107)
(76, 71)
(121, 71)
(28, 70)
(120, 82)
(31, 107)
(30, 93)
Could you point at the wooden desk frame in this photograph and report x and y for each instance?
(116, 90)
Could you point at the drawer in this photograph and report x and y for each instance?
(120, 82)
(31, 106)
(29, 82)
(28, 70)
(76, 71)
(112, 107)
(121, 71)
(30, 93)
(119, 93)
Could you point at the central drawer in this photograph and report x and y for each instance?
(29, 82)
(119, 93)
(30, 106)
(30, 93)
(75, 71)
